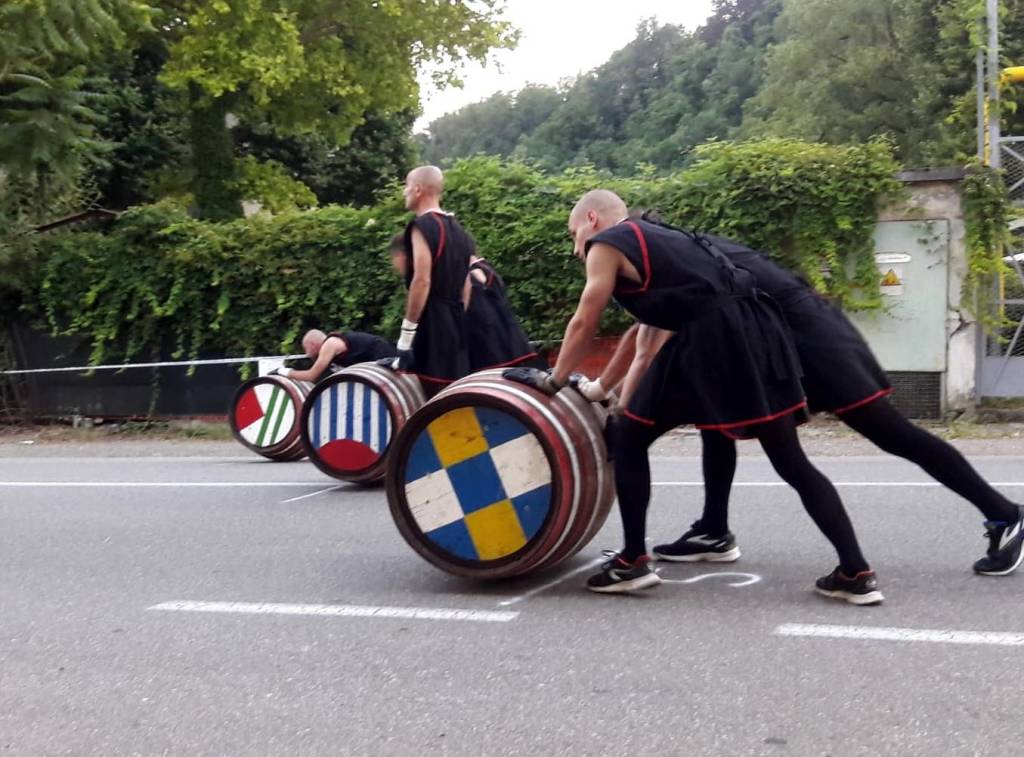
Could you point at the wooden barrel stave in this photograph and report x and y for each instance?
(264, 416)
(347, 456)
(568, 430)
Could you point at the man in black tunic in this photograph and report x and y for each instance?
(432, 344)
(496, 340)
(841, 376)
(337, 349)
(730, 367)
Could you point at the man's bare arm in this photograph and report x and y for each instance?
(602, 269)
(618, 366)
(328, 351)
(649, 340)
(419, 288)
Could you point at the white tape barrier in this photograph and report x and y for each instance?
(266, 363)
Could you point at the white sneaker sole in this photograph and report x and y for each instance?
(1008, 571)
(731, 556)
(624, 587)
(871, 598)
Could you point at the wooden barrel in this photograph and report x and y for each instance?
(351, 416)
(492, 479)
(265, 416)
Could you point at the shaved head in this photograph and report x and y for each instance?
(312, 342)
(603, 202)
(596, 211)
(430, 178)
(423, 188)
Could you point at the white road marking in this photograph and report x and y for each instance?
(745, 579)
(544, 587)
(345, 611)
(996, 638)
(311, 494)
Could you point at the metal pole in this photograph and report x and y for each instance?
(979, 86)
(994, 69)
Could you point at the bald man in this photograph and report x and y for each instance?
(728, 366)
(433, 343)
(339, 349)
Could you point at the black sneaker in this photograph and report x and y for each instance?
(619, 577)
(1005, 547)
(862, 589)
(697, 545)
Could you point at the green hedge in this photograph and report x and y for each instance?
(161, 282)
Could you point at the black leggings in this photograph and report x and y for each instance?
(881, 423)
(780, 442)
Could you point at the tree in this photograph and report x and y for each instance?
(651, 102)
(904, 68)
(304, 65)
(352, 174)
(48, 115)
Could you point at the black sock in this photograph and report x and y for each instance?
(719, 464)
(633, 482)
(820, 499)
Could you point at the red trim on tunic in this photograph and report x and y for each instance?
(514, 361)
(865, 401)
(440, 244)
(637, 418)
(647, 261)
(754, 421)
(431, 379)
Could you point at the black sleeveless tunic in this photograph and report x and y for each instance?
(439, 351)
(840, 371)
(362, 348)
(731, 364)
(496, 339)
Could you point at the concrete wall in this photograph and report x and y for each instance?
(935, 207)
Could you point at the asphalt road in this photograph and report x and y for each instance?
(537, 666)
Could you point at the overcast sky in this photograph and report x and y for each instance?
(560, 38)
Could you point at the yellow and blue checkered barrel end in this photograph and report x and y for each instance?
(478, 483)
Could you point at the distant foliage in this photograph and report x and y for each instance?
(161, 282)
(835, 71)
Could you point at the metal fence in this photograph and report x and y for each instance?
(1012, 154)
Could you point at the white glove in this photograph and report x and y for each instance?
(592, 390)
(282, 371)
(407, 336)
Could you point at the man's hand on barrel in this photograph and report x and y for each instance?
(590, 389)
(403, 361)
(542, 381)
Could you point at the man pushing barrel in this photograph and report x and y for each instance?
(337, 349)
(730, 367)
(841, 376)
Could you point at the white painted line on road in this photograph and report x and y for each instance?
(902, 634)
(550, 584)
(345, 611)
(311, 494)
